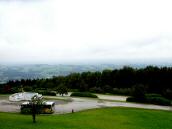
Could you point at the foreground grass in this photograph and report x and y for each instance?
(107, 118)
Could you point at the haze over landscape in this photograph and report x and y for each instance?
(92, 31)
(43, 38)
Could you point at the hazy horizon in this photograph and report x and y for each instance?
(85, 32)
(121, 63)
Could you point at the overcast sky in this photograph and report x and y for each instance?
(60, 31)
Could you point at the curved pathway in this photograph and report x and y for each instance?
(79, 104)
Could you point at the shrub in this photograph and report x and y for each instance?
(27, 88)
(122, 91)
(158, 100)
(96, 90)
(139, 91)
(152, 99)
(107, 89)
(84, 94)
(73, 90)
(134, 99)
(131, 99)
(62, 89)
(168, 94)
(44, 92)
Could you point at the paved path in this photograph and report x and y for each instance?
(79, 104)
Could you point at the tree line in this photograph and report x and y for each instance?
(118, 81)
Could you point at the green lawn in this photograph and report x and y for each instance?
(106, 118)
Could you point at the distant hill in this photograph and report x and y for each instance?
(17, 72)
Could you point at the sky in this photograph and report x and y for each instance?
(83, 31)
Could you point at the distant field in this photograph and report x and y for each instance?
(106, 118)
(16, 72)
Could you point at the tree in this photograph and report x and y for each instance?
(83, 86)
(106, 78)
(107, 89)
(35, 103)
(139, 92)
(62, 89)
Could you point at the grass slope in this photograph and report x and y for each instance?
(107, 118)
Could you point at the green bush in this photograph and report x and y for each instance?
(84, 94)
(152, 99)
(73, 90)
(168, 94)
(134, 99)
(139, 91)
(96, 90)
(44, 92)
(27, 88)
(131, 99)
(158, 100)
(122, 91)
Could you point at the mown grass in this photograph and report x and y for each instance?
(106, 118)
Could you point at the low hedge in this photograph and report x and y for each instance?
(158, 100)
(134, 99)
(84, 94)
(152, 99)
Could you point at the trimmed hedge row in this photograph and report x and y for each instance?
(152, 99)
(157, 99)
(84, 94)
